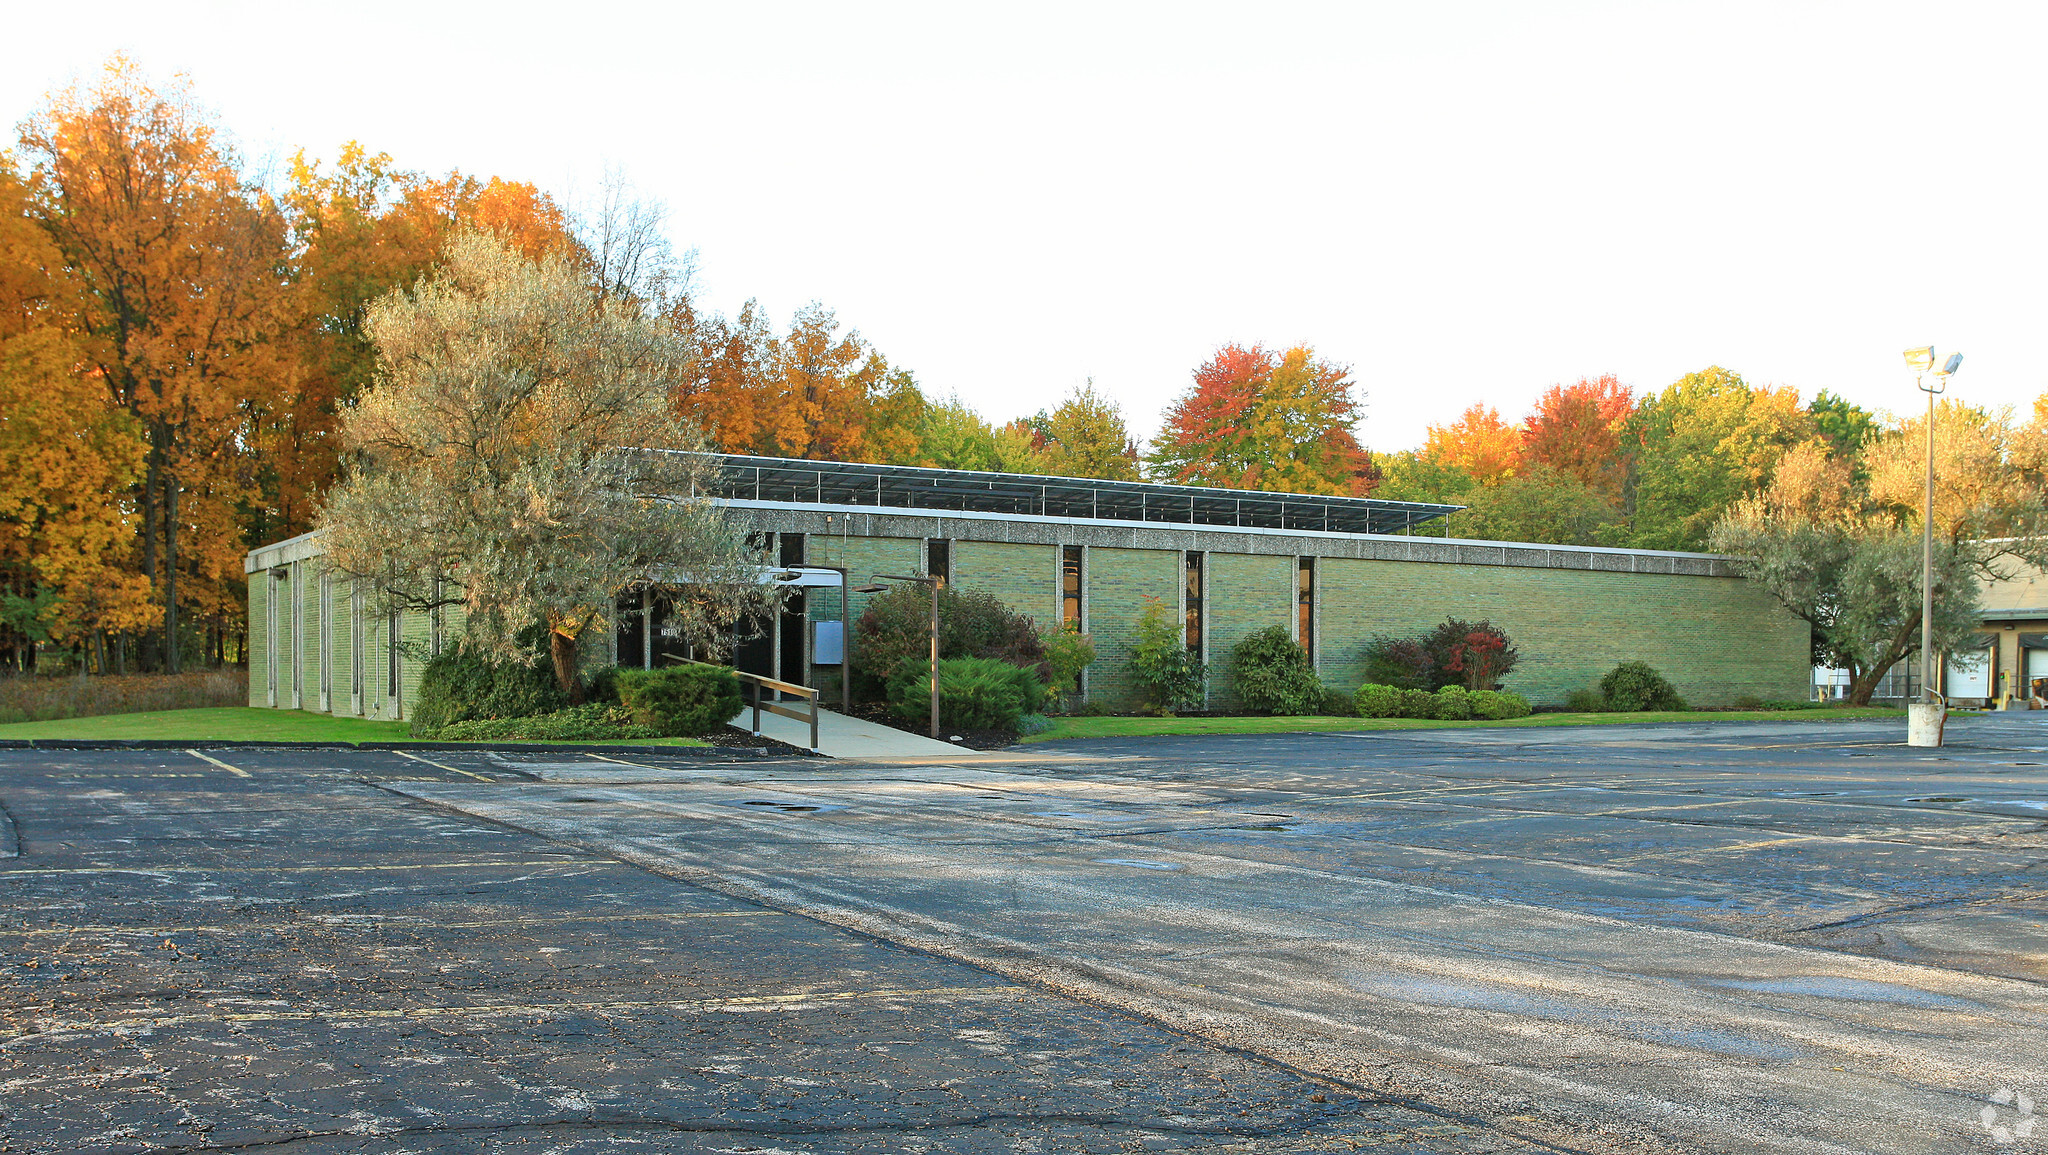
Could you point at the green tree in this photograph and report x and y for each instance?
(1086, 437)
(951, 435)
(1701, 444)
(1410, 476)
(1844, 425)
(1540, 504)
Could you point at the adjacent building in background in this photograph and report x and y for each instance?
(2011, 654)
(1332, 571)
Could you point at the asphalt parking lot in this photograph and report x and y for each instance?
(1796, 937)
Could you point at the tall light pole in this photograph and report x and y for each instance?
(931, 583)
(1924, 718)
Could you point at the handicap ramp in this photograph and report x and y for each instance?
(842, 737)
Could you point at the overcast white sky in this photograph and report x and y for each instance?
(1465, 201)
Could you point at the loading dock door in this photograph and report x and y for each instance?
(1969, 674)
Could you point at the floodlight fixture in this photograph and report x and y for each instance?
(1920, 360)
(1955, 362)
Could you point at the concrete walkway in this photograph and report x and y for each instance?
(842, 737)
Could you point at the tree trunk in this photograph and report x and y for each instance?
(565, 650)
(1865, 684)
(146, 647)
(170, 575)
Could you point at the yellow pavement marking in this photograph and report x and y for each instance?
(235, 770)
(341, 1016)
(301, 869)
(623, 762)
(1664, 855)
(445, 766)
(392, 924)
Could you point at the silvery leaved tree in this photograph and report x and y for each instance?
(519, 455)
(1840, 547)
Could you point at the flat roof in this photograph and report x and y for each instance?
(786, 479)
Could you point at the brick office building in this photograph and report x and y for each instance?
(1332, 571)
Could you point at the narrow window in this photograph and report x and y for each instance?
(938, 560)
(1070, 586)
(1305, 607)
(1195, 619)
(789, 549)
(434, 623)
(391, 642)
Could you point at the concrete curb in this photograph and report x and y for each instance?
(707, 753)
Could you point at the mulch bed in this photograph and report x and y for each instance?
(734, 738)
(878, 713)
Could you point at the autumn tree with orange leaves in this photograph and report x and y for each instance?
(178, 261)
(361, 229)
(1485, 447)
(1258, 419)
(1576, 429)
(67, 458)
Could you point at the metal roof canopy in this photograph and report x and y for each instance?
(784, 479)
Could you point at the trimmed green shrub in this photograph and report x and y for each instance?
(586, 723)
(1338, 704)
(1497, 705)
(461, 685)
(1273, 675)
(681, 701)
(1170, 673)
(974, 693)
(1586, 701)
(1375, 700)
(1635, 687)
(1033, 724)
(1454, 703)
(1418, 704)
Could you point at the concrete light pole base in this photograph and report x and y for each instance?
(1923, 723)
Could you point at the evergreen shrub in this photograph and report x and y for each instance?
(1273, 675)
(1587, 701)
(974, 693)
(1636, 686)
(681, 701)
(460, 685)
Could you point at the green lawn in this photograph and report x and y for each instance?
(248, 724)
(1082, 727)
